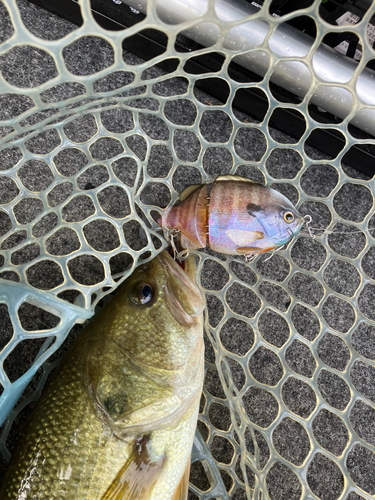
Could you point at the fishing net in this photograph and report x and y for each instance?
(96, 141)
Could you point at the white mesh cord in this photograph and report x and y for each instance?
(95, 140)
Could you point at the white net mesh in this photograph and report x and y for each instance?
(94, 140)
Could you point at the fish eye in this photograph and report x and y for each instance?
(143, 293)
(288, 217)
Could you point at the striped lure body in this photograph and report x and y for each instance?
(237, 217)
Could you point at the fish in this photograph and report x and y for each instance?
(234, 216)
(118, 418)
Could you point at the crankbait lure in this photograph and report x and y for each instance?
(233, 215)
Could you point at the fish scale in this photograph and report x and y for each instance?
(55, 411)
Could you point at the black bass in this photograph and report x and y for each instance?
(118, 418)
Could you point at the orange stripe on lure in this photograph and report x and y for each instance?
(233, 215)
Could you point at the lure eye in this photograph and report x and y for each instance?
(143, 293)
(288, 217)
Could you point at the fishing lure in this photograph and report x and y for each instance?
(233, 215)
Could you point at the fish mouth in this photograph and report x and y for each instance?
(183, 298)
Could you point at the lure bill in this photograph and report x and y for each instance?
(234, 215)
(118, 418)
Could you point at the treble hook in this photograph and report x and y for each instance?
(183, 255)
(249, 257)
(273, 253)
(308, 220)
(170, 237)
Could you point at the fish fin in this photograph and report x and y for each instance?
(248, 250)
(242, 237)
(186, 243)
(190, 189)
(183, 488)
(137, 478)
(234, 178)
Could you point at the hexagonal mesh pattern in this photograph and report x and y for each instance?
(95, 141)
